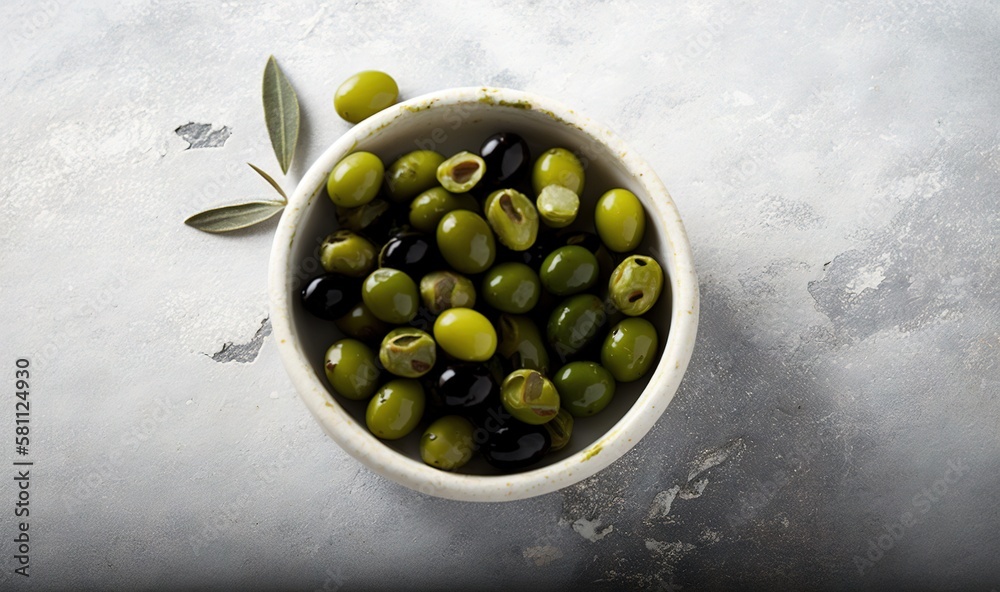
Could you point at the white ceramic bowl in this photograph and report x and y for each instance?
(449, 121)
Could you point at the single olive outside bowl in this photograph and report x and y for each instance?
(450, 121)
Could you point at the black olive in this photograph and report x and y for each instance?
(516, 445)
(414, 253)
(489, 418)
(331, 296)
(507, 158)
(465, 387)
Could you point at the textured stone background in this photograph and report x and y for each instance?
(835, 163)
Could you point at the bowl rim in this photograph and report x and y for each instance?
(354, 437)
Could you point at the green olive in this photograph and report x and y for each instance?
(396, 408)
(364, 216)
(461, 172)
(560, 428)
(606, 260)
(557, 206)
(466, 241)
(441, 290)
(511, 287)
(411, 174)
(355, 180)
(575, 323)
(427, 209)
(391, 295)
(521, 344)
(585, 388)
(629, 350)
(360, 323)
(448, 443)
(365, 94)
(529, 397)
(352, 369)
(408, 352)
(620, 220)
(489, 200)
(347, 253)
(569, 270)
(465, 334)
(513, 218)
(557, 166)
(636, 284)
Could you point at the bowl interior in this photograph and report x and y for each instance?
(449, 129)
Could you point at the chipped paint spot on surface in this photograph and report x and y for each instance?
(670, 551)
(662, 503)
(244, 353)
(201, 135)
(714, 458)
(693, 490)
(868, 277)
(589, 529)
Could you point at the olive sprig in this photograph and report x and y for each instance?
(281, 113)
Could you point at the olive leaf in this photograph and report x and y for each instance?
(234, 217)
(270, 180)
(281, 112)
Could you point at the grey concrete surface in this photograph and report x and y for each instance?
(836, 164)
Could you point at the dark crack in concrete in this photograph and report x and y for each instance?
(244, 353)
(201, 135)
